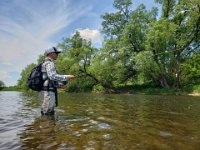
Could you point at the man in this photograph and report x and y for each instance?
(51, 79)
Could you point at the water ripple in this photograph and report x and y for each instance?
(104, 126)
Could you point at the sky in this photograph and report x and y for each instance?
(28, 27)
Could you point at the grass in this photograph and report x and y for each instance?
(12, 88)
(153, 90)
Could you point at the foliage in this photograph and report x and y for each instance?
(77, 59)
(118, 52)
(22, 82)
(40, 59)
(98, 88)
(146, 67)
(172, 38)
(114, 23)
(2, 85)
(191, 70)
(11, 88)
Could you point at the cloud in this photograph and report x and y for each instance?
(9, 78)
(4, 75)
(27, 28)
(91, 35)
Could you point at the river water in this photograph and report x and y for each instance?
(100, 121)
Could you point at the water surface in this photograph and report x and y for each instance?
(97, 121)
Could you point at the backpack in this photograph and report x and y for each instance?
(35, 80)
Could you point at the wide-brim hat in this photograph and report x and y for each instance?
(52, 50)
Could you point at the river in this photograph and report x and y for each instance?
(100, 121)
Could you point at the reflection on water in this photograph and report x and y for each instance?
(95, 121)
(39, 135)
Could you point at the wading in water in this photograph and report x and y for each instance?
(52, 81)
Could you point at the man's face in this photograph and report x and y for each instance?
(53, 56)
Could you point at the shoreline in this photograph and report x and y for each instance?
(194, 94)
(141, 91)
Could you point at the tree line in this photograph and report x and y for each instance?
(138, 49)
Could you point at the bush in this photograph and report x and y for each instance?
(98, 88)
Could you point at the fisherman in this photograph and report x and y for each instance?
(52, 81)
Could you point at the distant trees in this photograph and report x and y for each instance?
(2, 85)
(22, 82)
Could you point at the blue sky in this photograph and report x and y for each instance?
(28, 27)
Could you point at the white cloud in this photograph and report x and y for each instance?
(4, 75)
(91, 35)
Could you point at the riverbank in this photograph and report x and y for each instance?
(195, 93)
(190, 90)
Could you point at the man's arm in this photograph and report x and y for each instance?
(52, 74)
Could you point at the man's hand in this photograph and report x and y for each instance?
(70, 77)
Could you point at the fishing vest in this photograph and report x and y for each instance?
(48, 84)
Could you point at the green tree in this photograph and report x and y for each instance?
(114, 23)
(147, 68)
(77, 59)
(118, 51)
(174, 37)
(22, 82)
(191, 70)
(167, 7)
(41, 58)
(2, 85)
